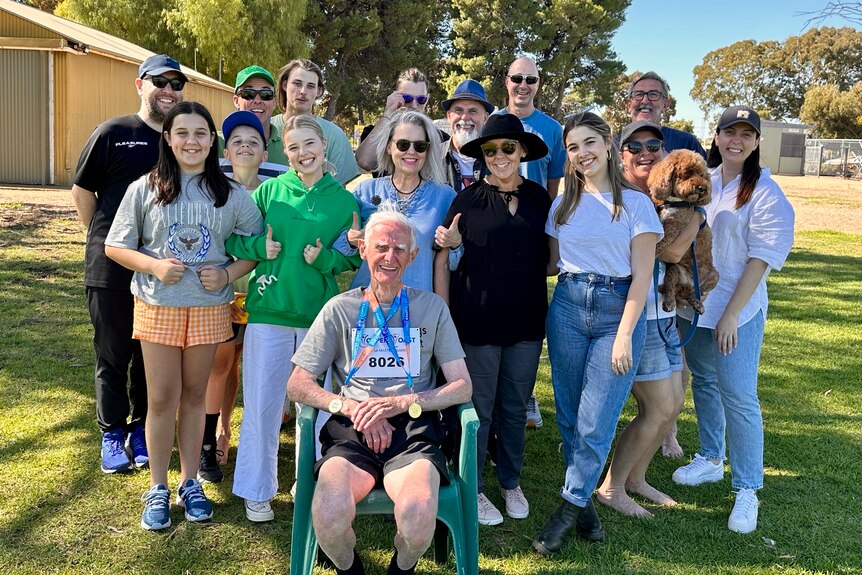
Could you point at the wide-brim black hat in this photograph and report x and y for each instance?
(507, 127)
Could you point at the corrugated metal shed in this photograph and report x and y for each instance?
(70, 79)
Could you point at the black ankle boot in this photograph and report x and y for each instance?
(550, 539)
(589, 525)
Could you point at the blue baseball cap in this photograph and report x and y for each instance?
(159, 64)
(469, 89)
(241, 118)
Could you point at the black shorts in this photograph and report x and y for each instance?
(412, 440)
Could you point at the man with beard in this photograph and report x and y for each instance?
(467, 110)
(647, 99)
(119, 152)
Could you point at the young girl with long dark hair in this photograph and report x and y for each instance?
(170, 230)
(752, 231)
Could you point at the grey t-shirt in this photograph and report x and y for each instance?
(329, 342)
(190, 229)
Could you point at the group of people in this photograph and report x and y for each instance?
(453, 241)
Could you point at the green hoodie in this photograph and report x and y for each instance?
(287, 290)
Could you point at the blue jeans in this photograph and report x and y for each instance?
(583, 320)
(503, 379)
(725, 399)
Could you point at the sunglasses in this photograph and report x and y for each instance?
(160, 82)
(508, 147)
(266, 94)
(652, 146)
(419, 100)
(518, 78)
(652, 95)
(421, 146)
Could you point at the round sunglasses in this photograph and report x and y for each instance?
(266, 94)
(421, 146)
(408, 98)
(652, 146)
(508, 147)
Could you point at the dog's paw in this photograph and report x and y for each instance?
(697, 305)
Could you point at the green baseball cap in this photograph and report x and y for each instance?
(253, 72)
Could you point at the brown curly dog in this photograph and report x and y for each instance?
(678, 183)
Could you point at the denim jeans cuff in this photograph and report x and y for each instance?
(711, 456)
(572, 499)
(756, 486)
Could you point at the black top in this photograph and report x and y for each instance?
(118, 152)
(499, 295)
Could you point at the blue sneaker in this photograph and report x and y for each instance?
(157, 511)
(114, 457)
(136, 447)
(190, 496)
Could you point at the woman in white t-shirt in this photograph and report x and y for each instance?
(657, 385)
(602, 240)
(752, 230)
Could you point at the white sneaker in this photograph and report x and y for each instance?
(258, 511)
(743, 518)
(700, 470)
(488, 514)
(516, 504)
(534, 416)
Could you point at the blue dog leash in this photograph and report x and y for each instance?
(695, 279)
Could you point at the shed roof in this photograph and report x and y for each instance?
(84, 39)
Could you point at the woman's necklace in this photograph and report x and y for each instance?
(408, 194)
(309, 207)
(404, 203)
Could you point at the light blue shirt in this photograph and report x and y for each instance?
(550, 130)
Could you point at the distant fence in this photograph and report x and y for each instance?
(833, 158)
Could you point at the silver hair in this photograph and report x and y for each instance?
(650, 76)
(433, 167)
(387, 213)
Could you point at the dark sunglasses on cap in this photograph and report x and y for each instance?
(518, 78)
(421, 146)
(419, 99)
(508, 147)
(160, 82)
(266, 94)
(652, 146)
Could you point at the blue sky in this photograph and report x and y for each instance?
(672, 36)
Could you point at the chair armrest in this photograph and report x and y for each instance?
(467, 450)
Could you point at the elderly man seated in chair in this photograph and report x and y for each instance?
(385, 426)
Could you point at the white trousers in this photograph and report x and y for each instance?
(266, 367)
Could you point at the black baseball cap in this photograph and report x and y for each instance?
(737, 115)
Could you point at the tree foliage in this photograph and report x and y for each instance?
(570, 40)
(836, 113)
(773, 77)
(238, 31)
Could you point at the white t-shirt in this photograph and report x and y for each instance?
(762, 229)
(590, 241)
(651, 295)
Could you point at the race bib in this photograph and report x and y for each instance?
(381, 364)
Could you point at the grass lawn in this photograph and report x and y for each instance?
(60, 514)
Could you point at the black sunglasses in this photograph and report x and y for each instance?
(177, 84)
(419, 99)
(518, 78)
(508, 147)
(421, 146)
(652, 146)
(266, 94)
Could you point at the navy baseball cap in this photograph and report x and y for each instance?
(469, 90)
(739, 114)
(159, 64)
(241, 118)
(630, 130)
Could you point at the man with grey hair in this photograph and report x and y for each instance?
(647, 99)
(466, 111)
(385, 428)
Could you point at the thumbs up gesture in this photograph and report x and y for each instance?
(272, 247)
(448, 237)
(310, 252)
(355, 233)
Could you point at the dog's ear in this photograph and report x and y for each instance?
(661, 177)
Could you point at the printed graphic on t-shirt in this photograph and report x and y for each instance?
(189, 243)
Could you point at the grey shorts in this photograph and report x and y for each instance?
(659, 360)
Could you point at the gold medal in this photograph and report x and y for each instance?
(415, 410)
(335, 405)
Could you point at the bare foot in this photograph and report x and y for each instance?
(647, 491)
(670, 447)
(222, 446)
(620, 501)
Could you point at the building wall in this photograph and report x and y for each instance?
(24, 145)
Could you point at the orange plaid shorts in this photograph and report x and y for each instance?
(182, 326)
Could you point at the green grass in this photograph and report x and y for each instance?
(60, 514)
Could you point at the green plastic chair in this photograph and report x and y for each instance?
(457, 511)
